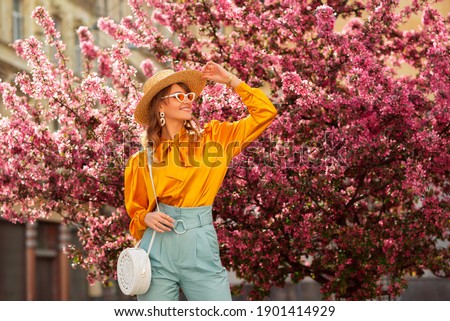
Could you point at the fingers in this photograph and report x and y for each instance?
(164, 222)
(209, 70)
(167, 220)
(210, 67)
(160, 228)
(160, 222)
(214, 72)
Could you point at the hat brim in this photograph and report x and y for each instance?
(191, 78)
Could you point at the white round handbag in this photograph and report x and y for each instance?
(134, 270)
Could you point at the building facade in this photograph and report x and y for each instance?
(33, 265)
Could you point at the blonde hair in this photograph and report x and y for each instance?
(151, 137)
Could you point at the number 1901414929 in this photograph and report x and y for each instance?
(299, 311)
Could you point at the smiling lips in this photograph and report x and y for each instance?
(186, 109)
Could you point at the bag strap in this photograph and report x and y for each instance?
(149, 157)
(149, 162)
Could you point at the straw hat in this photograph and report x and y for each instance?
(162, 79)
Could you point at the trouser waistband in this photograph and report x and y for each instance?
(187, 218)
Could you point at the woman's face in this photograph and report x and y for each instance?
(174, 109)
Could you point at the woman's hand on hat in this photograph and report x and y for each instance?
(215, 72)
(159, 221)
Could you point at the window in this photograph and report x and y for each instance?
(17, 20)
(12, 268)
(102, 8)
(47, 268)
(78, 58)
(57, 21)
(56, 125)
(114, 9)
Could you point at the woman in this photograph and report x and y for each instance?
(188, 166)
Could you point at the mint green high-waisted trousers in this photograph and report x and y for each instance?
(186, 257)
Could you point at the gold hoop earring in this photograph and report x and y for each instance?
(162, 119)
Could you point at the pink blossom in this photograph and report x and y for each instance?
(89, 50)
(148, 67)
(325, 20)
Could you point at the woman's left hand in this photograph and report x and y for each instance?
(215, 72)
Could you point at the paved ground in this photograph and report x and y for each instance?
(424, 289)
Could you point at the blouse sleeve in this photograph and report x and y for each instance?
(136, 198)
(235, 136)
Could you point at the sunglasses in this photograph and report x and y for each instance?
(182, 97)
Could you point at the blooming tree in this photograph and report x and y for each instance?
(349, 185)
(77, 170)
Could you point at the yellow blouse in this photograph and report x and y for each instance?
(190, 173)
